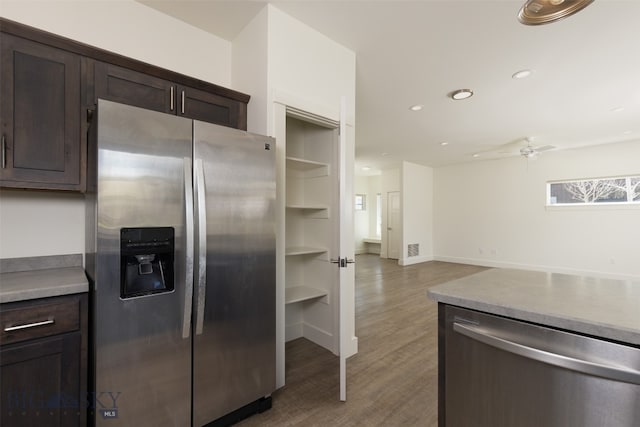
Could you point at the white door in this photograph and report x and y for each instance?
(393, 224)
(348, 341)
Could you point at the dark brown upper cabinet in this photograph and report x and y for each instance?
(126, 86)
(49, 87)
(40, 116)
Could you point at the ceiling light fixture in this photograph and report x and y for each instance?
(366, 168)
(444, 144)
(537, 12)
(475, 156)
(461, 94)
(617, 109)
(416, 107)
(522, 74)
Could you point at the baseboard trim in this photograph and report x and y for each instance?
(414, 260)
(318, 336)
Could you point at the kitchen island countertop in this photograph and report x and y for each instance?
(603, 308)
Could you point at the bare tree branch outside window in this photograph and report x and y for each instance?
(595, 191)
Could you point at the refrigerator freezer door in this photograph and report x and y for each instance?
(234, 354)
(142, 344)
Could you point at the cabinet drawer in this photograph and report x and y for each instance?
(39, 318)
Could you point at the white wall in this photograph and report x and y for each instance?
(37, 223)
(308, 70)
(130, 29)
(365, 221)
(390, 180)
(250, 70)
(361, 218)
(493, 213)
(417, 212)
(374, 188)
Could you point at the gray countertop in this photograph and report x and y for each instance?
(25, 285)
(600, 307)
(41, 277)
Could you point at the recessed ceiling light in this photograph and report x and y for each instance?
(617, 109)
(522, 74)
(627, 132)
(384, 154)
(366, 168)
(416, 107)
(444, 144)
(461, 94)
(476, 155)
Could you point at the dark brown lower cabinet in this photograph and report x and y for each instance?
(41, 383)
(43, 379)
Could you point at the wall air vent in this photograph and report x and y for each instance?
(413, 249)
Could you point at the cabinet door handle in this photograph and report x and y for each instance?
(183, 102)
(172, 100)
(4, 151)
(29, 325)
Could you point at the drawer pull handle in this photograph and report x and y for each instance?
(29, 325)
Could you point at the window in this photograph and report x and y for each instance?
(614, 190)
(361, 202)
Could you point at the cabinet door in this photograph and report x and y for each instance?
(207, 107)
(41, 383)
(40, 116)
(118, 84)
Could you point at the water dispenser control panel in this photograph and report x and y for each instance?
(146, 261)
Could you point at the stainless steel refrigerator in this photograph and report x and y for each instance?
(181, 260)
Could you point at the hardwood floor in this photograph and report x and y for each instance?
(392, 381)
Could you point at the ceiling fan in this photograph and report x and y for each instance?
(525, 148)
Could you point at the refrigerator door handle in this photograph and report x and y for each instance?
(188, 280)
(202, 244)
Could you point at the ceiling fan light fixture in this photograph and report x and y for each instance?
(537, 12)
(528, 152)
(522, 74)
(461, 94)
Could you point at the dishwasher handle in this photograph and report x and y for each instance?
(617, 373)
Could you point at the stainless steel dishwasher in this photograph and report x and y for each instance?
(501, 372)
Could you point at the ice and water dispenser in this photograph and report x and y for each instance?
(146, 261)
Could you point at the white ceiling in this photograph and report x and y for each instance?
(416, 52)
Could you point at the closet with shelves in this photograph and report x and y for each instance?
(310, 232)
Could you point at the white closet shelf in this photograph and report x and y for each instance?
(295, 294)
(304, 165)
(303, 250)
(308, 207)
(307, 168)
